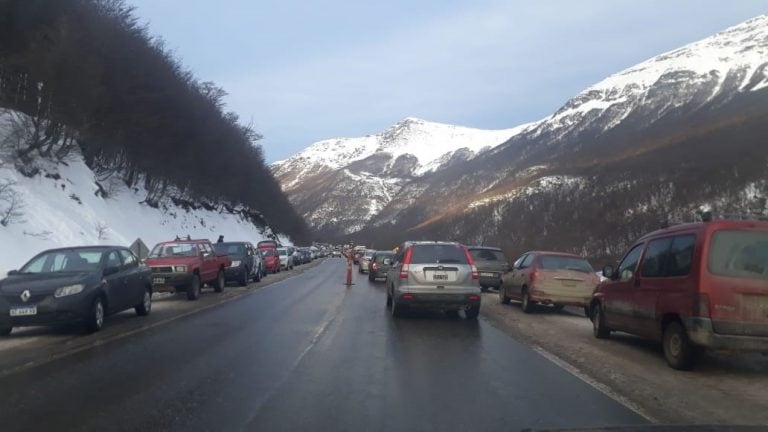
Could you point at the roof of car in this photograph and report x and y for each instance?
(87, 247)
(715, 224)
(186, 241)
(568, 254)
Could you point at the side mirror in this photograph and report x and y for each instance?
(111, 270)
(608, 271)
(13, 273)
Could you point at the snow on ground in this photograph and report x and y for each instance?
(53, 217)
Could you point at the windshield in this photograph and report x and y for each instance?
(282, 252)
(488, 255)
(174, 250)
(549, 262)
(740, 254)
(438, 254)
(236, 249)
(79, 260)
(267, 252)
(369, 254)
(380, 257)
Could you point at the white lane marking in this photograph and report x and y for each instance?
(602, 388)
(118, 336)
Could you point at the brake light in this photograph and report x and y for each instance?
(374, 266)
(475, 274)
(474, 297)
(406, 263)
(407, 296)
(701, 307)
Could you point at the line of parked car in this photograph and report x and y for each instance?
(691, 287)
(85, 284)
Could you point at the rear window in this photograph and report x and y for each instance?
(438, 254)
(739, 253)
(369, 254)
(230, 248)
(268, 252)
(549, 262)
(487, 255)
(381, 257)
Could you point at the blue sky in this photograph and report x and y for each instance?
(302, 71)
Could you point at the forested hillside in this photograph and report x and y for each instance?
(89, 79)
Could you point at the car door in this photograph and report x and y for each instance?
(508, 278)
(209, 266)
(520, 276)
(134, 275)
(618, 292)
(117, 290)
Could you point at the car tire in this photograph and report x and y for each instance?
(472, 313)
(599, 329)
(193, 290)
(503, 298)
(397, 310)
(257, 276)
(218, 284)
(677, 347)
(526, 305)
(370, 277)
(145, 307)
(587, 312)
(95, 320)
(244, 278)
(389, 299)
(452, 313)
(5, 330)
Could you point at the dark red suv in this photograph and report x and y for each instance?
(692, 286)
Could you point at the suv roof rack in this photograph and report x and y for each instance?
(709, 216)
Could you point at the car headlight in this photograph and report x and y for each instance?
(180, 269)
(235, 263)
(68, 290)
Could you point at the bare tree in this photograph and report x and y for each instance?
(11, 204)
(101, 230)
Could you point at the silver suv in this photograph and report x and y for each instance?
(434, 275)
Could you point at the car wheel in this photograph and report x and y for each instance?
(599, 330)
(5, 330)
(218, 286)
(95, 319)
(452, 313)
(389, 299)
(587, 312)
(527, 304)
(257, 276)
(145, 307)
(193, 291)
(371, 278)
(472, 312)
(503, 299)
(677, 347)
(397, 310)
(244, 278)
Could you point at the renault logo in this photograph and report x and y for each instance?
(25, 296)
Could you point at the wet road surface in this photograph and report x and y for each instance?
(306, 353)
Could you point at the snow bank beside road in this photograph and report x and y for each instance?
(62, 209)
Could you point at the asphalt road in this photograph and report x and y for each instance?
(306, 353)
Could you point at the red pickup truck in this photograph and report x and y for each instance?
(185, 265)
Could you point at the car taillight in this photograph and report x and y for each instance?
(475, 273)
(374, 266)
(701, 307)
(474, 297)
(406, 262)
(407, 296)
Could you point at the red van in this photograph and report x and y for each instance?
(269, 258)
(692, 286)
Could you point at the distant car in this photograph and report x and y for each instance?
(365, 261)
(381, 261)
(185, 265)
(80, 284)
(336, 254)
(271, 259)
(550, 278)
(246, 262)
(692, 286)
(434, 275)
(491, 263)
(268, 243)
(357, 252)
(286, 258)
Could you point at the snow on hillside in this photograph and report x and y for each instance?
(66, 211)
(736, 55)
(427, 141)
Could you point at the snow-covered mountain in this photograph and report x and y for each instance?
(345, 182)
(677, 132)
(67, 204)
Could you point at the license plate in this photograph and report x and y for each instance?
(24, 311)
(488, 274)
(158, 281)
(439, 276)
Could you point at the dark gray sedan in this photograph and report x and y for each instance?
(81, 284)
(379, 265)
